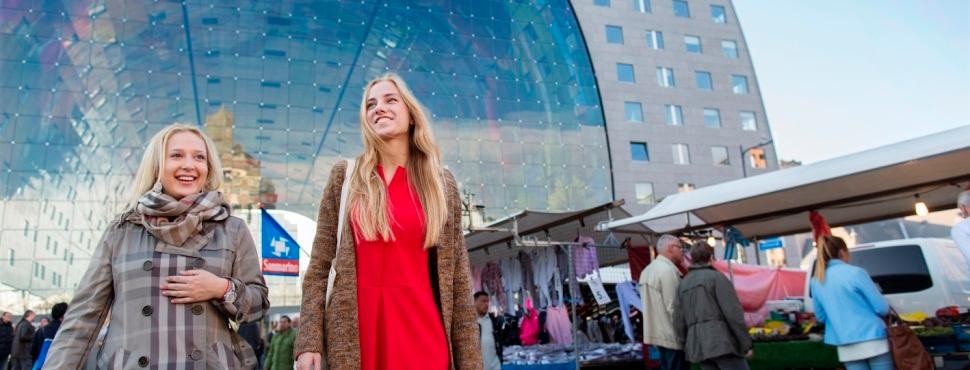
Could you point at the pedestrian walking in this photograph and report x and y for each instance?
(280, 353)
(6, 337)
(658, 290)
(48, 331)
(490, 327)
(23, 336)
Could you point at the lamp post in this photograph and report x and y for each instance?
(744, 165)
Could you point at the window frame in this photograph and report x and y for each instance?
(687, 44)
(646, 151)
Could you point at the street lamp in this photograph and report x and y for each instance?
(744, 166)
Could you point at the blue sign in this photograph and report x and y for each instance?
(771, 243)
(281, 253)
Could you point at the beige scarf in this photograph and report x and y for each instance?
(175, 221)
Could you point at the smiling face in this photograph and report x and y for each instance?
(186, 167)
(386, 111)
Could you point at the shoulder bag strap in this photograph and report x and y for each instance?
(341, 218)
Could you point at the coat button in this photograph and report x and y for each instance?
(147, 310)
(147, 266)
(143, 361)
(197, 310)
(196, 355)
(199, 262)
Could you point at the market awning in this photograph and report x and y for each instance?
(496, 240)
(871, 185)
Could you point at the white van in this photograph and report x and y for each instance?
(923, 274)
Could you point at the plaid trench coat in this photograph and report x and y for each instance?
(145, 330)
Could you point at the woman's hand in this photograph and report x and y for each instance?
(308, 361)
(192, 286)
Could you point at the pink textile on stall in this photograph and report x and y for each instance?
(558, 325)
(756, 285)
(477, 278)
(529, 328)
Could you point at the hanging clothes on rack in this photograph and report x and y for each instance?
(528, 279)
(492, 283)
(512, 280)
(558, 325)
(585, 260)
(546, 276)
(529, 328)
(639, 256)
(628, 295)
(593, 331)
(477, 278)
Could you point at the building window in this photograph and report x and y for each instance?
(704, 80)
(757, 158)
(644, 193)
(693, 44)
(748, 121)
(675, 115)
(601, 2)
(665, 77)
(685, 187)
(717, 14)
(638, 152)
(681, 154)
(642, 6)
(681, 9)
(719, 155)
(655, 40)
(712, 117)
(624, 72)
(633, 111)
(730, 48)
(614, 34)
(739, 84)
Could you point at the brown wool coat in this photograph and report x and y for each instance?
(334, 330)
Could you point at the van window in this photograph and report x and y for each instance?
(896, 269)
(955, 267)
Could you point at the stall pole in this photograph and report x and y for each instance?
(572, 297)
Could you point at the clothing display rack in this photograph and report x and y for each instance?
(517, 232)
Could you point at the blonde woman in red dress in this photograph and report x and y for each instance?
(401, 296)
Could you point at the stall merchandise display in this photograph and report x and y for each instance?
(594, 353)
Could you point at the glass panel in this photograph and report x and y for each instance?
(675, 115)
(739, 84)
(624, 72)
(717, 14)
(693, 44)
(712, 117)
(644, 193)
(704, 80)
(681, 9)
(719, 155)
(634, 111)
(681, 154)
(614, 34)
(601, 2)
(655, 40)
(748, 121)
(639, 152)
(642, 6)
(730, 48)
(665, 77)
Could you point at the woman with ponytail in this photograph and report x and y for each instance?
(400, 295)
(851, 307)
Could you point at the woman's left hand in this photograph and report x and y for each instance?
(192, 286)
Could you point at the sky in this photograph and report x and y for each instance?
(839, 77)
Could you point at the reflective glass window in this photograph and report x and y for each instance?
(655, 40)
(681, 9)
(749, 122)
(704, 80)
(638, 151)
(739, 84)
(642, 6)
(681, 153)
(729, 48)
(717, 14)
(614, 34)
(675, 114)
(633, 111)
(719, 156)
(665, 77)
(601, 2)
(644, 193)
(712, 117)
(692, 44)
(624, 72)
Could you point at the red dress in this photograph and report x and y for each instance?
(400, 326)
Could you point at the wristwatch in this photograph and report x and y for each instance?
(230, 295)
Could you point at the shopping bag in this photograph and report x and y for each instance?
(39, 364)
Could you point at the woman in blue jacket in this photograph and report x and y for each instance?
(851, 307)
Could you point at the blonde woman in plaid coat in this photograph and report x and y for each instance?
(169, 273)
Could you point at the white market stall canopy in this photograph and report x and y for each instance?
(871, 185)
(497, 239)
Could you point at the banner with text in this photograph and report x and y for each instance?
(281, 253)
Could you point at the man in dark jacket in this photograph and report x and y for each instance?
(6, 337)
(251, 334)
(492, 329)
(49, 330)
(23, 335)
(708, 315)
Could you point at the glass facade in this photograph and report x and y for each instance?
(277, 84)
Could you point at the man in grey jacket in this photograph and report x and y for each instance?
(20, 358)
(708, 315)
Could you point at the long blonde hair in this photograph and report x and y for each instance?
(829, 247)
(367, 194)
(153, 162)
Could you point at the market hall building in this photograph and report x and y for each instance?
(549, 106)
